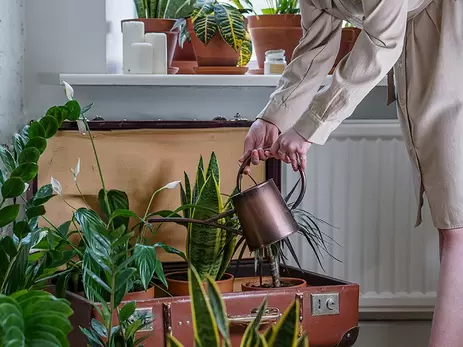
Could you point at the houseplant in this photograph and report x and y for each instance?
(219, 37)
(211, 326)
(278, 27)
(159, 16)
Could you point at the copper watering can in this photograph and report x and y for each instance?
(264, 216)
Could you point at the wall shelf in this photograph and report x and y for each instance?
(177, 80)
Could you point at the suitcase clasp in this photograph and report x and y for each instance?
(271, 315)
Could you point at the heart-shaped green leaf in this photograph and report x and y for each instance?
(74, 110)
(50, 124)
(36, 130)
(37, 142)
(8, 214)
(13, 187)
(29, 155)
(26, 171)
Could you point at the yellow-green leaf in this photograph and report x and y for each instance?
(245, 52)
(287, 329)
(205, 28)
(231, 24)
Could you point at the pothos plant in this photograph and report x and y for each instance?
(212, 17)
(211, 325)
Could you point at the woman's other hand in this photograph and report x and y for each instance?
(261, 135)
(291, 148)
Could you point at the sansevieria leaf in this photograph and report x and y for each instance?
(231, 24)
(245, 51)
(218, 309)
(205, 28)
(205, 326)
(286, 331)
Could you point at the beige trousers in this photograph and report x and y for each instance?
(429, 76)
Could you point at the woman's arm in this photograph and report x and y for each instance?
(377, 49)
(312, 60)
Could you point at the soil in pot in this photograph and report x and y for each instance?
(156, 25)
(274, 31)
(178, 283)
(216, 53)
(285, 282)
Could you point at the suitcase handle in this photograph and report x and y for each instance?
(271, 315)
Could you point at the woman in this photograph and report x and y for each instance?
(423, 41)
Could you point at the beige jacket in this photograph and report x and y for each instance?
(296, 102)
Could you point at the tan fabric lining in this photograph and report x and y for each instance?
(139, 162)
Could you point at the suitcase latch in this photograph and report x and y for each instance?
(271, 315)
(325, 304)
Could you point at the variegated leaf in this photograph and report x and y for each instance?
(231, 24)
(245, 51)
(205, 28)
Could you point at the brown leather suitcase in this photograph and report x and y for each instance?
(130, 155)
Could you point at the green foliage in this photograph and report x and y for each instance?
(211, 326)
(172, 9)
(212, 17)
(282, 7)
(34, 318)
(208, 247)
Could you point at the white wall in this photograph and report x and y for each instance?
(11, 67)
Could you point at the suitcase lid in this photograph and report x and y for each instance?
(139, 158)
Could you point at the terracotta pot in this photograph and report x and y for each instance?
(179, 286)
(134, 296)
(185, 59)
(155, 25)
(253, 285)
(348, 38)
(274, 31)
(216, 53)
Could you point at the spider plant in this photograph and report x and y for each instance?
(211, 325)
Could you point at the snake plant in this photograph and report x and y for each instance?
(209, 249)
(172, 9)
(211, 326)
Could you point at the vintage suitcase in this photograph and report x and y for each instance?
(139, 157)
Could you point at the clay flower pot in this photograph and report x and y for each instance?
(178, 283)
(287, 282)
(274, 31)
(348, 38)
(134, 296)
(184, 58)
(216, 53)
(156, 25)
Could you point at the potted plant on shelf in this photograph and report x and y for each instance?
(278, 27)
(219, 37)
(159, 16)
(211, 323)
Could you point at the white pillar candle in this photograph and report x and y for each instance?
(159, 43)
(132, 32)
(141, 58)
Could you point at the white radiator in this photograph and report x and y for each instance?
(361, 182)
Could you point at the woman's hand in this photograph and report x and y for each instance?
(261, 135)
(291, 148)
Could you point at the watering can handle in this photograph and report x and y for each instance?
(247, 161)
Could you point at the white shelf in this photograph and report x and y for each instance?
(177, 80)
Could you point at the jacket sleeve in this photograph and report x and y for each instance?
(377, 49)
(312, 60)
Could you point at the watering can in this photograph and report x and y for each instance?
(264, 216)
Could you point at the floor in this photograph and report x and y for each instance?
(394, 334)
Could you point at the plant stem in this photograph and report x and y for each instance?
(98, 165)
(81, 195)
(111, 304)
(275, 271)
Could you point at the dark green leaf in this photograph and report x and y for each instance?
(99, 328)
(286, 331)
(35, 211)
(93, 340)
(13, 187)
(145, 260)
(2, 177)
(74, 110)
(37, 142)
(118, 200)
(36, 129)
(18, 144)
(218, 309)
(7, 159)
(29, 155)
(230, 23)
(127, 311)
(26, 171)
(8, 214)
(63, 229)
(170, 250)
(205, 28)
(88, 220)
(87, 108)
(21, 229)
(9, 246)
(251, 334)
(44, 194)
(204, 324)
(50, 124)
(122, 281)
